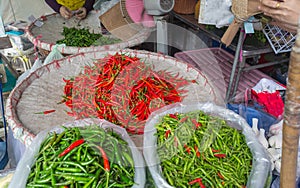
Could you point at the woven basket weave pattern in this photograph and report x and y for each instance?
(243, 9)
(185, 6)
(239, 8)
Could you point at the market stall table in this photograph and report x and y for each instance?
(242, 50)
(216, 63)
(43, 90)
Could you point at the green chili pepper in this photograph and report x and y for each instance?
(83, 166)
(226, 143)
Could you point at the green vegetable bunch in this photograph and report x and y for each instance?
(78, 37)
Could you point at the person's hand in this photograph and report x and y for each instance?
(81, 13)
(285, 13)
(65, 12)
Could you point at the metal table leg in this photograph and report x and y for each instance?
(239, 72)
(235, 62)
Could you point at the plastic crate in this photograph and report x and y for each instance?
(280, 40)
(216, 64)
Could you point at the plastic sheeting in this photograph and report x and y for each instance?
(5, 177)
(215, 12)
(261, 166)
(24, 167)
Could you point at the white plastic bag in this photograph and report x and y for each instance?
(267, 85)
(53, 55)
(5, 177)
(261, 165)
(215, 12)
(37, 64)
(28, 159)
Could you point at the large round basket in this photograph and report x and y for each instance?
(45, 36)
(43, 89)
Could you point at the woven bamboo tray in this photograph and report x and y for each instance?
(43, 89)
(45, 37)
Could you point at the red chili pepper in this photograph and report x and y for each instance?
(100, 78)
(220, 175)
(199, 181)
(173, 116)
(198, 154)
(73, 114)
(69, 103)
(46, 112)
(187, 149)
(175, 141)
(196, 123)
(105, 159)
(140, 131)
(71, 147)
(183, 119)
(220, 155)
(167, 133)
(195, 181)
(215, 150)
(201, 184)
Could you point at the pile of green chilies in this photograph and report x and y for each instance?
(84, 38)
(226, 162)
(83, 157)
(78, 37)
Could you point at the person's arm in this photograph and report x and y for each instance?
(88, 5)
(54, 5)
(285, 13)
(62, 10)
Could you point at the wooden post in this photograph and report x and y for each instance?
(291, 123)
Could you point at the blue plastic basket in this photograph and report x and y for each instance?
(265, 120)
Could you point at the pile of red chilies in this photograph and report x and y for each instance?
(123, 90)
